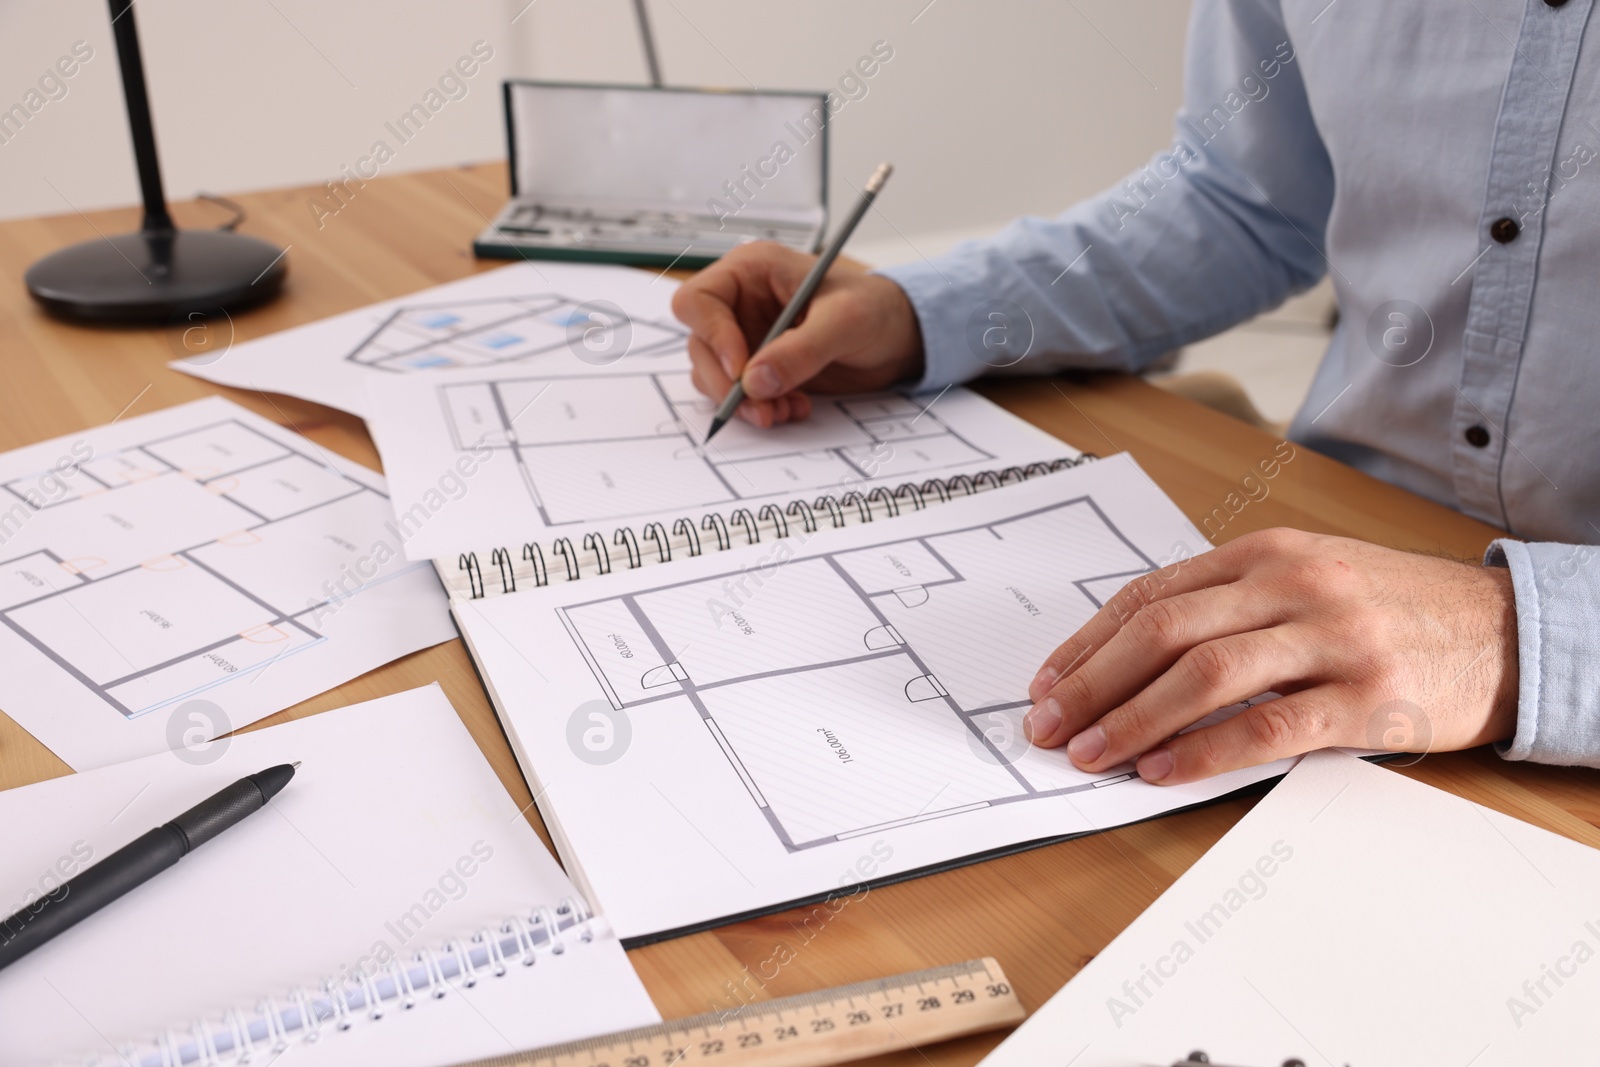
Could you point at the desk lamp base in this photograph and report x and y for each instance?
(154, 275)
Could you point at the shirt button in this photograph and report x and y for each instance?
(1477, 436)
(1504, 230)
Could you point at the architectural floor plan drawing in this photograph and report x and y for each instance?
(213, 555)
(591, 449)
(793, 717)
(561, 318)
(851, 691)
(143, 622)
(509, 329)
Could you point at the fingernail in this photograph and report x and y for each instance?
(1154, 766)
(1043, 682)
(727, 364)
(1088, 746)
(762, 382)
(1042, 720)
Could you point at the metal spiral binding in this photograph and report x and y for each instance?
(311, 1013)
(277, 1033)
(860, 502)
(773, 520)
(535, 557)
(502, 559)
(238, 1030)
(771, 513)
(911, 493)
(742, 518)
(374, 1002)
(827, 502)
(563, 548)
(891, 507)
(464, 966)
(624, 537)
(807, 519)
(658, 533)
(686, 528)
(714, 522)
(430, 963)
(469, 563)
(342, 1019)
(301, 1000)
(400, 981)
(593, 542)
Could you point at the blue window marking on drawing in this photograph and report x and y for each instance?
(429, 359)
(439, 320)
(499, 340)
(566, 318)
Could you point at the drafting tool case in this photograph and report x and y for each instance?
(658, 177)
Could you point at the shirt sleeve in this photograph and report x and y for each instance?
(1557, 589)
(1224, 224)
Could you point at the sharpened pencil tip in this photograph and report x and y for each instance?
(295, 765)
(716, 424)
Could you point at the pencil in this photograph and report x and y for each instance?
(802, 296)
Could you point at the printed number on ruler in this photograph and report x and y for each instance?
(810, 1030)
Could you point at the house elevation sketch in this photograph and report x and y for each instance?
(513, 329)
(862, 669)
(553, 317)
(194, 556)
(601, 448)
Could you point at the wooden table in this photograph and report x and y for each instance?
(1043, 913)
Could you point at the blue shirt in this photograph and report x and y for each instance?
(1440, 159)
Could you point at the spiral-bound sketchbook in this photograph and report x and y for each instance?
(391, 906)
(513, 478)
(797, 719)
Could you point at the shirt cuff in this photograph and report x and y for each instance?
(945, 361)
(1557, 589)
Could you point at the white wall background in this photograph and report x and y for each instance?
(989, 108)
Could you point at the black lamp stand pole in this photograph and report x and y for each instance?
(143, 130)
(161, 272)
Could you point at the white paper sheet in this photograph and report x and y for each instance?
(171, 577)
(509, 456)
(555, 318)
(789, 718)
(361, 855)
(1353, 917)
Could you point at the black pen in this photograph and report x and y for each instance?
(137, 862)
(802, 296)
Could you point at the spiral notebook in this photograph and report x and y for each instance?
(502, 569)
(390, 906)
(799, 720)
(510, 479)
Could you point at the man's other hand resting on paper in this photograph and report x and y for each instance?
(1463, 369)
